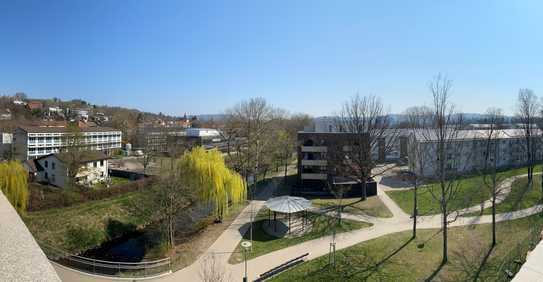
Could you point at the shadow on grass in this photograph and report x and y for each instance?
(436, 272)
(372, 267)
(482, 265)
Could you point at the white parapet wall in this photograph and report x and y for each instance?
(532, 269)
(21, 259)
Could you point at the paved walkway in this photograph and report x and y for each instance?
(227, 242)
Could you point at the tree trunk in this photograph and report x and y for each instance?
(444, 227)
(286, 169)
(415, 210)
(445, 257)
(363, 185)
(494, 219)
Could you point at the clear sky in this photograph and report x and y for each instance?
(306, 56)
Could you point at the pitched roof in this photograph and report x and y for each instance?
(83, 156)
(33, 166)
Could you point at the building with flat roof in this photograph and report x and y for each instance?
(35, 141)
(321, 156)
(155, 138)
(466, 152)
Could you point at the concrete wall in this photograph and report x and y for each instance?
(21, 259)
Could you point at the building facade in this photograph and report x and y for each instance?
(155, 138)
(53, 168)
(36, 141)
(467, 152)
(320, 154)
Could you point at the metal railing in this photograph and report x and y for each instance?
(107, 268)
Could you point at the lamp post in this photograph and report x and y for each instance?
(245, 245)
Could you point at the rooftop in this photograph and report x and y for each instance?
(63, 129)
(83, 156)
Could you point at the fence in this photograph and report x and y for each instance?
(108, 268)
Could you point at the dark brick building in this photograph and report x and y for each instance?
(320, 156)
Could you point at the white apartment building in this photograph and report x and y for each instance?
(53, 168)
(203, 132)
(468, 150)
(35, 141)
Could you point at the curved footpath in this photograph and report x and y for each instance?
(227, 242)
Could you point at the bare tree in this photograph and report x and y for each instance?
(250, 121)
(528, 108)
(212, 271)
(166, 200)
(366, 119)
(418, 120)
(492, 153)
(444, 151)
(72, 153)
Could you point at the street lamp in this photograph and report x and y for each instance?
(245, 245)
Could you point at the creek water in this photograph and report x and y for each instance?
(129, 248)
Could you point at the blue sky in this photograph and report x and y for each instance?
(305, 56)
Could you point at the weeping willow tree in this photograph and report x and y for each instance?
(13, 183)
(207, 172)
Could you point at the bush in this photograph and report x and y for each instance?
(44, 197)
(79, 238)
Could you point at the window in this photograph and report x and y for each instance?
(102, 163)
(94, 164)
(52, 178)
(53, 165)
(46, 165)
(46, 176)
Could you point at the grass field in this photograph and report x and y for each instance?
(521, 196)
(264, 243)
(471, 192)
(82, 226)
(373, 206)
(396, 257)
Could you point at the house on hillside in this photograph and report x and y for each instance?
(34, 105)
(53, 168)
(5, 114)
(19, 102)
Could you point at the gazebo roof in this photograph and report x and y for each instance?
(288, 204)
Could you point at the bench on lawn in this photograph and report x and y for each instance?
(282, 267)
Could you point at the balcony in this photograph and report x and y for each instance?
(314, 149)
(314, 176)
(314, 162)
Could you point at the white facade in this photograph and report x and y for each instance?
(33, 142)
(202, 132)
(467, 152)
(6, 138)
(55, 171)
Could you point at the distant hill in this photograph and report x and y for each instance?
(209, 117)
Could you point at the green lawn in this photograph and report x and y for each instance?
(521, 196)
(373, 206)
(264, 243)
(471, 192)
(396, 257)
(82, 226)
